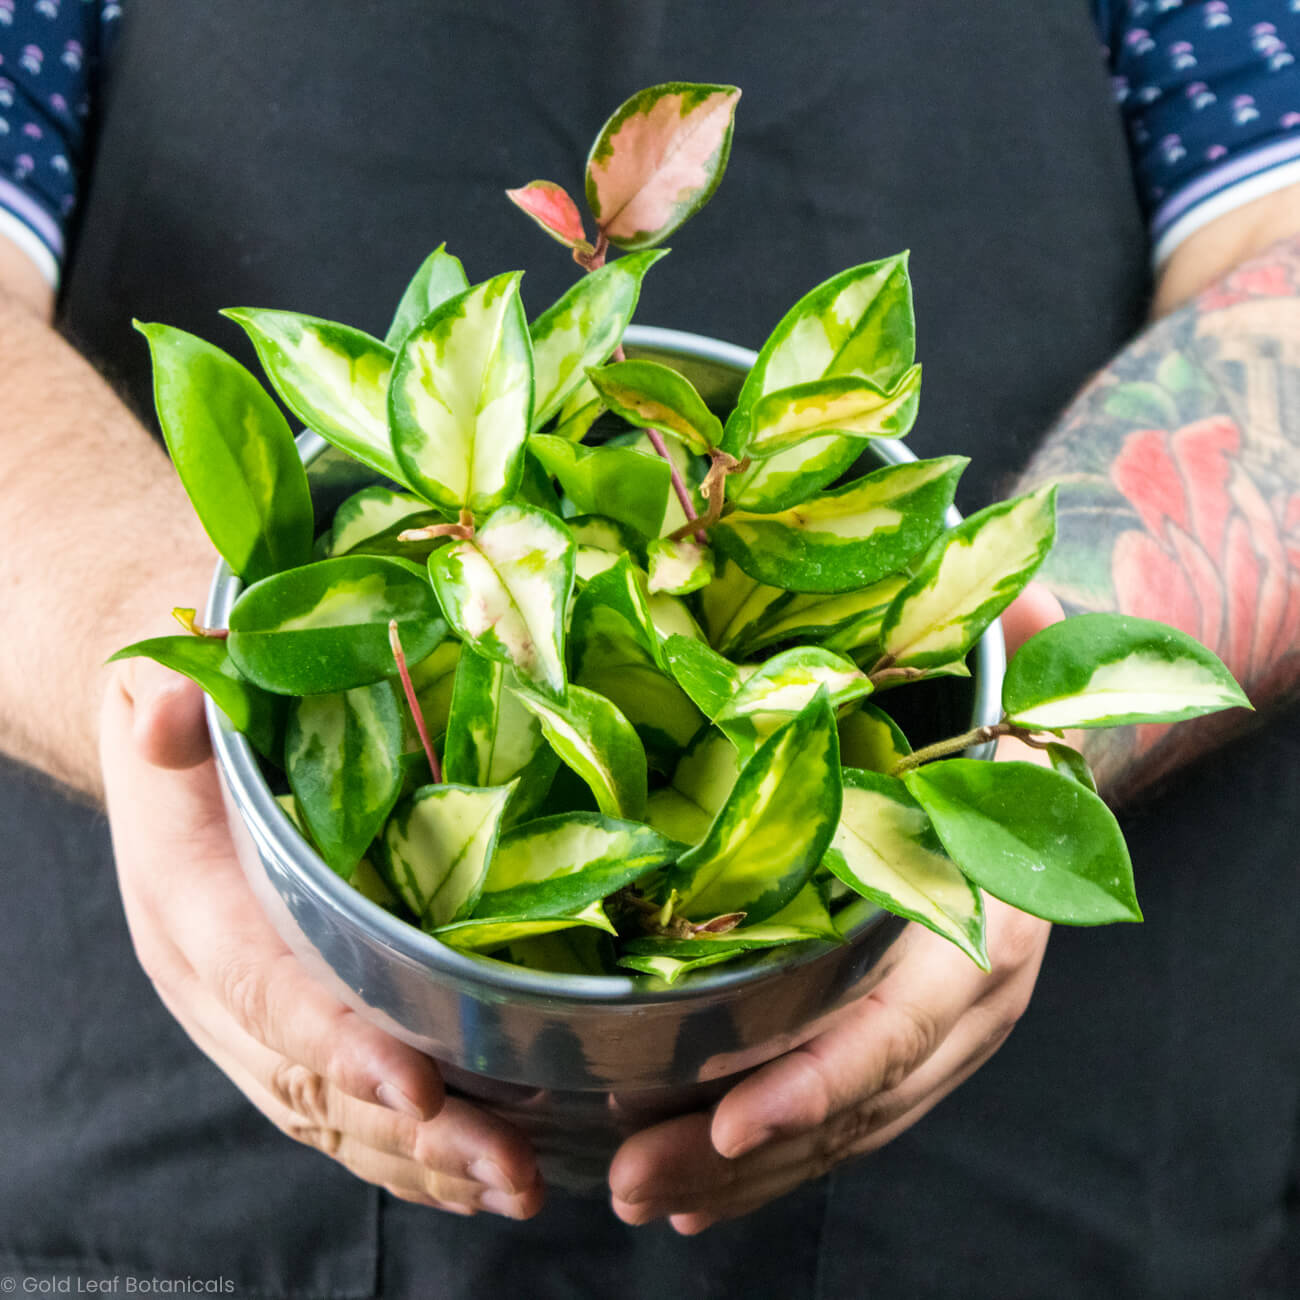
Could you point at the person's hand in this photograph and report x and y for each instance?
(317, 1070)
(882, 1063)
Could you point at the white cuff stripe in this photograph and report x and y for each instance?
(21, 234)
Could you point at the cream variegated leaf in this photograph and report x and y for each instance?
(438, 846)
(679, 568)
(441, 276)
(506, 592)
(655, 396)
(886, 850)
(969, 577)
(461, 398)
(485, 934)
(871, 739)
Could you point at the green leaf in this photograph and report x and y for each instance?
(782, 688)
(559, 865)
(871, 739)
(492, 739)
(324, 627)
(679, 567)
(886, 850)
(703, 778)
(1110, 670)
(205, 660)
(441, 276)
(615, 481)
(234, 453)
(969, 577)
(773, 829)
(371, 512)
(332, 377)
(733, 605)
(341, 757)
(461, 399)
(438, 845)
(654, 396)
(843, 404)
(858, 323)
(1031, 837)
(658, 159)
(1069, 762)
(848, 538)
(615, 605)
(593, 738)
(578, 413)
(506, 591)
(841, 621)
(483, 934)
(707, 677)
(582, 329)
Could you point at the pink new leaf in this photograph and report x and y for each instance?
(658, 160)
(551, 207)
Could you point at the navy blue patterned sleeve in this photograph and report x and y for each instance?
(49, 54)
(1210, 93)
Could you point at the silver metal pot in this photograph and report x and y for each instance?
(576, 1061)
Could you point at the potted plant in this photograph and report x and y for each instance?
(582, 706)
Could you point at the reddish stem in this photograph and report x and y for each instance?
(395, 640)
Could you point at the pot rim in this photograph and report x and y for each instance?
(277, 837)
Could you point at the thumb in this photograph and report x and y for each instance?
(168, 728)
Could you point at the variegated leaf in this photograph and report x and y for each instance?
(733, 605)
(492, 739)
(782, 688)
(332, 377)
(886, 850)
(461, 399)
(593, 738)
(558, 865)
(1109, 670)
(615, 604)
(658, 160)
(843, 404)
(579, 412)
(324, 627)
(370, 512)
(577, 950)
(672, 617)
(783, 481)
(679, 567)
(341, 757)
(1032, 837)
(871, 739)
(441, 276)
(848, 538)
(655, 396)
(859, 324)
(438, 846)
(485, 934)
(841, 621)
(234, 453)
(205, 660)
(671, 959)
(551, 207)
(615, 481)
(773, 829)
(582, 329)
(705, 775)
(969, 577)
(506, 591)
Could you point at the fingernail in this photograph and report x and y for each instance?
(395, 1099)
(500, 1202)
(491, 1175)
(750, 1142)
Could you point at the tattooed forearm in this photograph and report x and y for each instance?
(1179, 468)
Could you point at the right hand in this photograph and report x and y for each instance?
(317, 1070)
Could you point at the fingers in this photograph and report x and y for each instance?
(168, 725)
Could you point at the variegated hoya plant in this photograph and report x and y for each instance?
(594, 676)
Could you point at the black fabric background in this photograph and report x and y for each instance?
(1135, 1136)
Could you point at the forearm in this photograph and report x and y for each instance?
(97, 540)
(1179, 468)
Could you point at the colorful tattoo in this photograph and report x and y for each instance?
(1179, 468)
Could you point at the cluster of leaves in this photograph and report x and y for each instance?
(641, 723)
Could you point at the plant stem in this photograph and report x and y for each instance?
(942, 748)
(412, 701)
(188, 620)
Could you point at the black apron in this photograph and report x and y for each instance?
(1135, 1137)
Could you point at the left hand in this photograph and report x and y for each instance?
(878, 1067)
